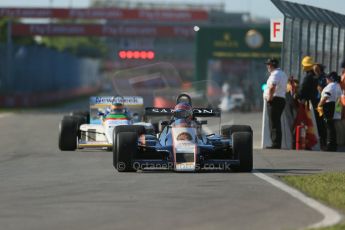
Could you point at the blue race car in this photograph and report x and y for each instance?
(183, 144)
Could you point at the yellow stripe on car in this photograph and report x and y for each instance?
(95, 145)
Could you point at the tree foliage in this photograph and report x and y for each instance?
(21, 40)
(79, 46)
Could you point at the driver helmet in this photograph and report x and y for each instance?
(117, 108)
(181, 123)
(183, 110)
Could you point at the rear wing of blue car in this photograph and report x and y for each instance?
(197, 112)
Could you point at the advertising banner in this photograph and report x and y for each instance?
(101, 30)
(107, 13)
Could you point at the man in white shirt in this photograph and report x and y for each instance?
(327, 105)
(275, 96)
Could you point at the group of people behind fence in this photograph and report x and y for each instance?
(320, 92)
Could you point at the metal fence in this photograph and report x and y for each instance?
(35, 69)
(311, 31)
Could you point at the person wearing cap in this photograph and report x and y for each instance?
(308, 90)
(327, 108)
(274, 94)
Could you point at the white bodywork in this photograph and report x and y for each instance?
(184, 142)
(101, 136)
(99, 133)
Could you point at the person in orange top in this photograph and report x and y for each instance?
(342, 86)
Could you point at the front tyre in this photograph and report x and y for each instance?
(68, 134)
(125, 146)
(126, 143)
(242, 146)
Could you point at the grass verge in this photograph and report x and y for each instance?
(334, 227)
(328, 188)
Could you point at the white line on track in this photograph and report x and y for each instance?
(331, 216)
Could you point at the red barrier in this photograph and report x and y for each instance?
(304, 115)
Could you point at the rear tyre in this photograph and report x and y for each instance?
(68, 134)
(125, 146)
(228, 130)
(242, 147)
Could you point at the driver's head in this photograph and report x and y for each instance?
(117, 108)
(183, 111)
(179, 123)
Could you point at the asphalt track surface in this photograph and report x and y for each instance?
(44, 188)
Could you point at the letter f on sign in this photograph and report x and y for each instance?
(276, 28)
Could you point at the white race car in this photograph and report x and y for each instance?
(95, 129)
